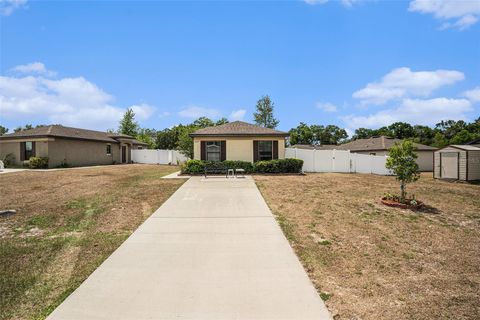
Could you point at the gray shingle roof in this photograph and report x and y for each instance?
(238, 128)
(317, 147)
(66, 132)
(377, 144)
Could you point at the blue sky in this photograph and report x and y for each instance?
(351, 63)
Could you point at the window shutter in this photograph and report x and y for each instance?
(203, 150)
(275, 149)
(223, 150)
(22, 151)
(33, 149)
(255, 151)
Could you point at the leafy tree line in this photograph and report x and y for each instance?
(442, 134)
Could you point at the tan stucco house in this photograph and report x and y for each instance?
(238, 140)
(71, 146)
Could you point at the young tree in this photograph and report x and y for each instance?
(402, 162)
(264, 115)
(3, 130)
(128, 125)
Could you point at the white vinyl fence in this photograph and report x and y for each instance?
(158, 156)
(338, 161)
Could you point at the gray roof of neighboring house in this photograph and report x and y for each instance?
(237, 128)
(65, 132)
(317, 147)
(379, 143)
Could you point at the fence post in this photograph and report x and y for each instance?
(333, 160)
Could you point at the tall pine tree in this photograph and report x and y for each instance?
(128, 125)
(264, 115)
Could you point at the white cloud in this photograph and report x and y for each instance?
(142, 111)
(402, 83)
(70, 101)
(237, 115)
(459, 14)
(34, 68)
(193, 111)
(326, 107)
(414, 111)
(8, 6)
(473, 95)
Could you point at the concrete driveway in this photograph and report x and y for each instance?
(212, 251)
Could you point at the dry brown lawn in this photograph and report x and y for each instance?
(67, 223)
(369, 261)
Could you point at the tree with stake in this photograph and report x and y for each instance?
(402, 162)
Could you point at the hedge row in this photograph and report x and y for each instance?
(271, 166)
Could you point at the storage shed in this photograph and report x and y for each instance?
(457, 162)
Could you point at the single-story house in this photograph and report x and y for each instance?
(379, 146)
(71, 146)
(238, 140)
(457, 162)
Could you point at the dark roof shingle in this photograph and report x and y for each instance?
(378, 143)
(66, 132)
(238, 128)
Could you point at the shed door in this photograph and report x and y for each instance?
(449, 165)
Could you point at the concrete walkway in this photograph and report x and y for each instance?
(213, 251)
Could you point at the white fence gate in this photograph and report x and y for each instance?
(338, 161)
(158, 156)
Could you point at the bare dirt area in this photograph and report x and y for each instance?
(370, 261)
(67, 222)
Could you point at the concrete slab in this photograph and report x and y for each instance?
(212, 251)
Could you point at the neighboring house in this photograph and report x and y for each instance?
(71, 146)
(238, 141)
(379, 146)
(457, 162)
(317, 147)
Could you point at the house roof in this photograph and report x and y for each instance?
(317, 147)
(64, 132)
(237, 128)
(378, 144)
(476, 141)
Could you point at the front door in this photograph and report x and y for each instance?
(449, 165)
(124, 154)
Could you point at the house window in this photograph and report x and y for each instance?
(213, 150)
(28, 150)
(109, 149)
(265, 151)
(139, 148)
